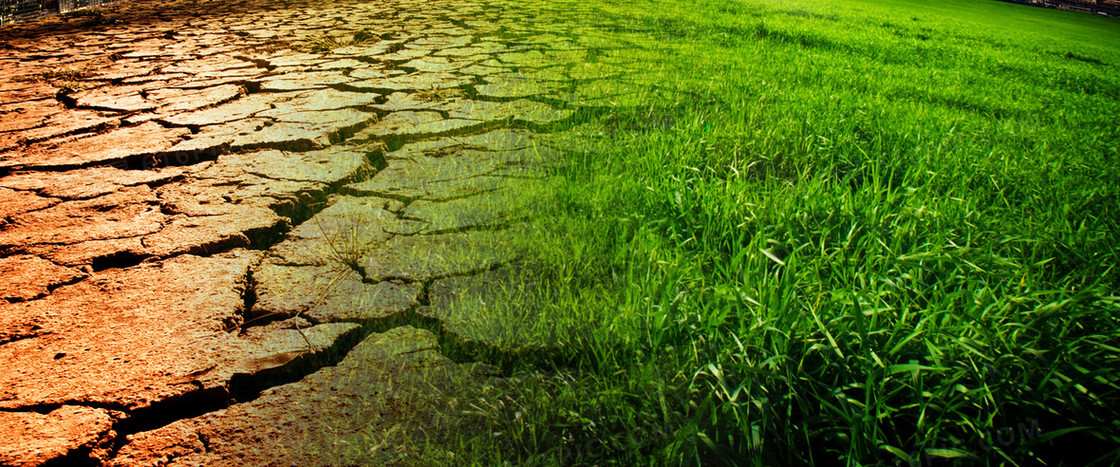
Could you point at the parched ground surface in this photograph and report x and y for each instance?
(218, 246)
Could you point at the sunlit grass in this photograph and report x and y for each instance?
(828, 232)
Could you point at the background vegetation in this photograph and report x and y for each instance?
(844, 232)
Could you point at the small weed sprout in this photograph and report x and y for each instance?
(348, 245)
(68, 79)
(89, 17)
(324, 42)
(436, 95)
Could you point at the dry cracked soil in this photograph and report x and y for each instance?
(230, 232)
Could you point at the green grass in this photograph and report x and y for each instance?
(845, 232)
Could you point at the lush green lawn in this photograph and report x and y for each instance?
(843, 231)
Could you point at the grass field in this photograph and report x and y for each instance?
(833, 232)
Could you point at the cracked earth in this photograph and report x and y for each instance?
(218, 245)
